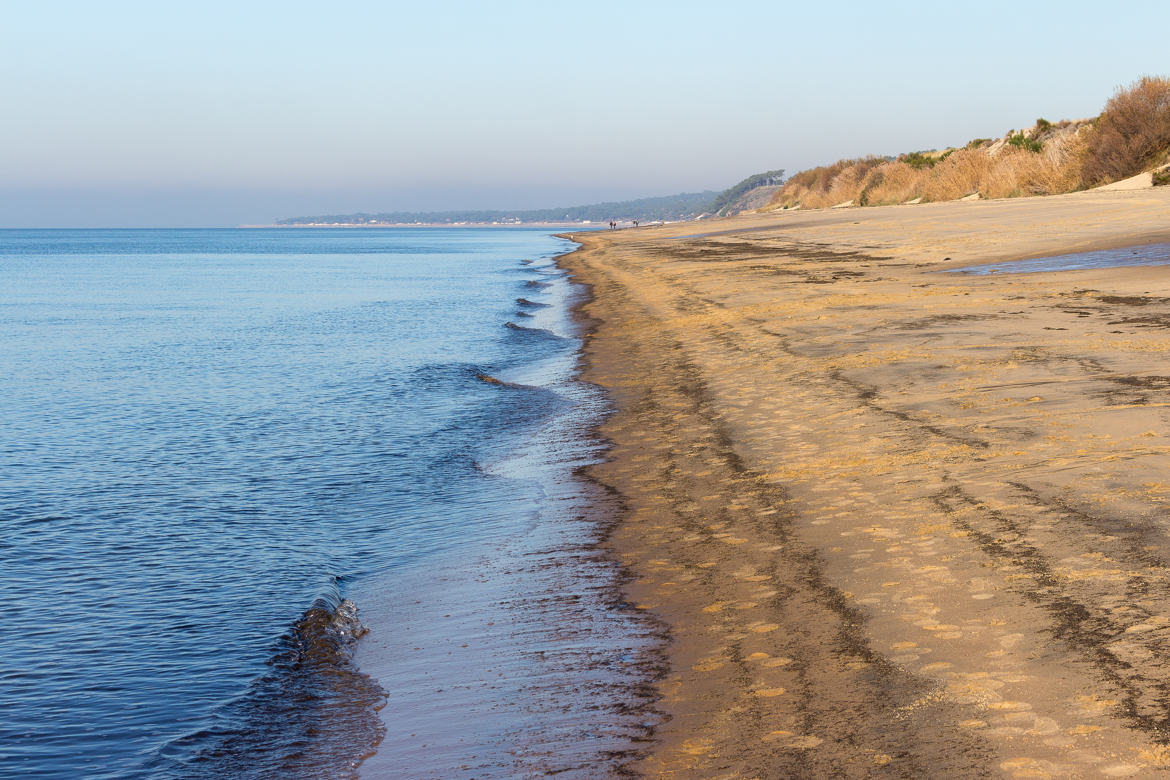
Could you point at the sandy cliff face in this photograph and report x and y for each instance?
(1041, 160)
(1130, 137)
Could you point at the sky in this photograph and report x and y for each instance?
(149, 114)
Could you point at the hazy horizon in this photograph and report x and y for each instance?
(133, 114)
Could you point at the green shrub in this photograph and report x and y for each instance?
(919, 160)
(1162, 177)
(1024, 142)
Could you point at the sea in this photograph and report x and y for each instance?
(306, 503)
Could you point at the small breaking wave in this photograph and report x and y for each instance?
(523, 331)
(312, 715)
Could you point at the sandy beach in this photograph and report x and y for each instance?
(900, 522)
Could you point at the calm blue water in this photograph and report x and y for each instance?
(1149, 254)
(205, 433)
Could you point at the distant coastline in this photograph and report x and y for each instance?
(587, 225)
(687, 205)
(750, 193)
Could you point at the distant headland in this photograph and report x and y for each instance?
(751, 193)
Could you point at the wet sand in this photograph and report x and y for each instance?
(899, 522)
(511, 654)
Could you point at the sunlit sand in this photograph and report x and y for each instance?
(899, 520)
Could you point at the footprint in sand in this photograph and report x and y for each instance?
(769, 692)
(1028, 767)
(696, 748)
(1093, 706)
(772, 663)
(796, 741)
(1009, 706)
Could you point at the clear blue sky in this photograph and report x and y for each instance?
(220, 113)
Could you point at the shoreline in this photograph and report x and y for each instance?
(897, 522)
(514, 655)
(452, 225)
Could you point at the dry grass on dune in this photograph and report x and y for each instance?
(892, 183)
(831, 184)
(1131, 135)
(1009, 172)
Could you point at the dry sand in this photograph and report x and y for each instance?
(900, 523)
